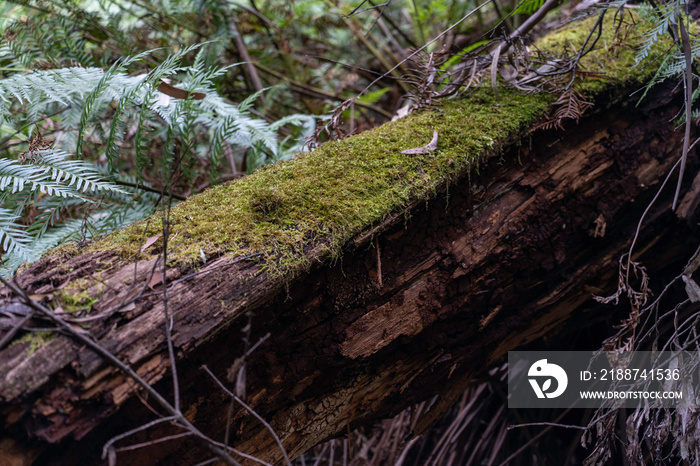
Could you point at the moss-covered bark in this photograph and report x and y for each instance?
(323, 199)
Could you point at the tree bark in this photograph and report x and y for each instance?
(416, 307)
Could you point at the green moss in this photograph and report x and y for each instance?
(75, 297)
(35, 339)
(323, 199)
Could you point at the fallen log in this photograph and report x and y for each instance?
(381, 278)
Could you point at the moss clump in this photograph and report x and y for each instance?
(75, 303)
(35, 339)
(80, 295)
(324, 198)
(267, 202)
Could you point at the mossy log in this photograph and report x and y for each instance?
(381, 278)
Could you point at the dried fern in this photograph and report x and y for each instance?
(570, 105)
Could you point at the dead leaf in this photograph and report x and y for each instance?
(111, 456)
(402, 112)
(693, 264)
(508, 73)
(177, 93)
(156, 280)
(430, 147)
(40, 297)
(78, 329)
(128, 308)
(692, 288)
(494, 70)
(600, 225)
(232, 372)
(149, 242)
(241, 383)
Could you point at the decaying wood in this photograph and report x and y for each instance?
(494, 262)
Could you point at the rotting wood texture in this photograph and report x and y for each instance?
(498, 260)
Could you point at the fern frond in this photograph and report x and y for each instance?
(53, 175)
(17, 177)
(50, 211)
(143, 129)
(80, 174)
(70, 230)
(248, 102)
(92, 99)
(13, 238)
(661, 21)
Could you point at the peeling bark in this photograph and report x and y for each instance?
(499, 259)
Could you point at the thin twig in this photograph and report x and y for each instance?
(4, 140)
(417, 51)
(131, 432)
(11, 333)
(641, 219)
(144, 187)
(251, 411)
(534, 439)
(688, 85)
(205, 462)
(167, 438)
(169, 318)
(99, 349)
(552, 424)
(315, 92)
(229, 416)
(530, 23)
(391, 22)
(404, 453)
(320, 455)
